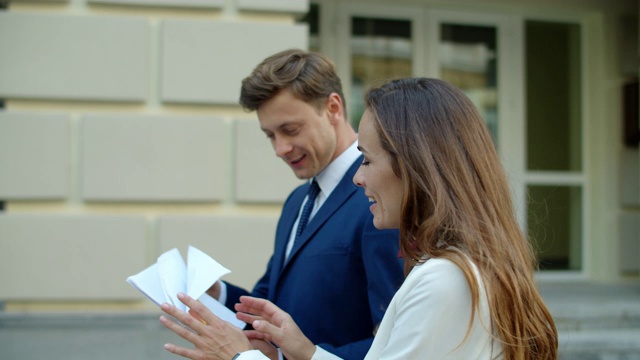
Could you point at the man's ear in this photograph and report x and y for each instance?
(335, 108)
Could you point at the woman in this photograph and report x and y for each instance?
(432, 171)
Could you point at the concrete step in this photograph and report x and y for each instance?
(586, 306)
(595, 321)
(608, 344)
(583, 316)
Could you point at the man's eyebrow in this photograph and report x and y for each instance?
(280, 127)
(289, 123)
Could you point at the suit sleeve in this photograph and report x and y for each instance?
(384, 273)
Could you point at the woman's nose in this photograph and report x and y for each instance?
(357, 179)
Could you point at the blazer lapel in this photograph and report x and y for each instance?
(345, 189)
(287, 219)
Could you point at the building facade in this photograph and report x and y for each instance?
(121, 137)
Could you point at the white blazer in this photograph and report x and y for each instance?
(428, 319)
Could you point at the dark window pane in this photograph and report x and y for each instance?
(381, 49)
(312, 19)
(468, 60)
(554, 124)
(554, 219)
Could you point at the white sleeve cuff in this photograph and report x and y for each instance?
(252, 355)
(322, 354)
(223, 292)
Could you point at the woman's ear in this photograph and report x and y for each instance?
(335, 108)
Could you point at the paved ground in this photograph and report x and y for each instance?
(83, 336)
(596, 322)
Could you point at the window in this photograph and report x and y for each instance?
(525, 77)
(554, 153)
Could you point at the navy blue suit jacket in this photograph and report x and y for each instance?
(341, 273)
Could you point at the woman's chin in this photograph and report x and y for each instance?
(382, 224)
(379, 224)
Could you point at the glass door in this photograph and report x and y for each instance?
(482, 55)
(525, 77)
(376, 43)
(479, 54)
(555, 177)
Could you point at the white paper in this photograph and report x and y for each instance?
(221, 311)
(148, 282)
(202, 272)
(162, 281)
(173, 274)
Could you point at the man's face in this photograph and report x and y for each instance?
(302, 135)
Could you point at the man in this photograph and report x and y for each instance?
(337, 276)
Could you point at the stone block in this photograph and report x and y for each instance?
(56, 56)
(34, 155)
(292, 6)
(70, 257)
(205, 61)
(154, 158)
(172, 3)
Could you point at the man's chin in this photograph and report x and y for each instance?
(303, 175)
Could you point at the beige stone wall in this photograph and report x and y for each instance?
(121, 138)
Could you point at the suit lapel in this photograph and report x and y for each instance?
(345, 189)
(287, 219)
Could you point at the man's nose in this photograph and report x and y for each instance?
(282, 147)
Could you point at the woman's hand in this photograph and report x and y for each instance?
(213, 338)
(274, 325)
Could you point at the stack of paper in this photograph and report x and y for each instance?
(170, 275)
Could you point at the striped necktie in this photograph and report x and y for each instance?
(314, 189)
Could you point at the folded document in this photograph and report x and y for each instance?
(170, 275)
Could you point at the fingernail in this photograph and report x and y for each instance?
(181, 295)
(164, 306)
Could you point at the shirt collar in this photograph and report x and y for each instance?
(329, 178)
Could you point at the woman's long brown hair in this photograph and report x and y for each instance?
(457, 205)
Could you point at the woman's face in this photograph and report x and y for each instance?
(376, 176)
